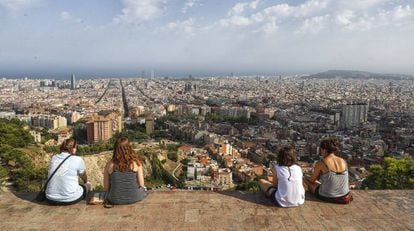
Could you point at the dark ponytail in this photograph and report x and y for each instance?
(68, 146)
(331, 145)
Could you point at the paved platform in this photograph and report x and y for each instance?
(202, 210)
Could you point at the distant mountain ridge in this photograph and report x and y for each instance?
(346, 74)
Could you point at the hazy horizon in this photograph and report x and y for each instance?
(53, 39)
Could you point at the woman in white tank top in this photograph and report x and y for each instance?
(286, 189)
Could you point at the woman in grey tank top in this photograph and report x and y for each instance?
(329, 179)
(123, 175)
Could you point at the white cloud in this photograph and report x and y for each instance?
(271, 17)
(236, 20)
(186, 26)
(138, 11)
(314, 25)
(315, 15)
(65, 16)
(254, 4)
(258, 17)
(303, 10)
(280, 10)
(190, 4)
(15, 5)
(359, 4)
(362, 21)
(402, 12)
(345, 17)
(238, 9)
(241, 7)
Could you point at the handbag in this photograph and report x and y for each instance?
(41, 196)
(346, 199)
(98, 198)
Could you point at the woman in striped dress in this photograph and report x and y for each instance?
(123, 175)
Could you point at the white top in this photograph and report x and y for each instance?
(64, 185)
(290, 191)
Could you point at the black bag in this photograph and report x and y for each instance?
(41, 196)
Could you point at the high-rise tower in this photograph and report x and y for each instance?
(354, 114)
(73, 82)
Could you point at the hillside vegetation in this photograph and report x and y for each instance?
(15, 164)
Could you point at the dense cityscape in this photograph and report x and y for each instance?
(218, 133)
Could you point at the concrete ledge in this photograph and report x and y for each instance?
(202, 210)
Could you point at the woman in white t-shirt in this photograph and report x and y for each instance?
(286, 188)
(64, 188)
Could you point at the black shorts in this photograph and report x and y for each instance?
(85, 192)
(273, 196)
(326, 199)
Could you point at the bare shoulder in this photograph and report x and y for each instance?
(136, 166)
(109, 166)
(341, 163)
(321, 166)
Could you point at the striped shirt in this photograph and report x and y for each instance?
(124, 188)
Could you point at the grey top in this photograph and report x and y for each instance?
(334, 184)
(124, 188)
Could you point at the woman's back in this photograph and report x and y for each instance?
(334, 178)
(123, 185)
(290, 191)
(64, 186)
(124, 188)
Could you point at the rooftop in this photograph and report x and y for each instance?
(206, 210)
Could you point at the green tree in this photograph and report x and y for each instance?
(13, 133)
(394, 174)
(3, 174)
(20, 168)
(172, 155)
(248, 186)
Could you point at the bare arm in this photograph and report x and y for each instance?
(316, 173)
(140, 178)
(84, 177)
(106, 177)
(274, 178)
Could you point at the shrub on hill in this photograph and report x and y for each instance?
(394, 174)
(16, 164)
(13, 134)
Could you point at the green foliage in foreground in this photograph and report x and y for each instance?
(16, 164)
(394, 174)
(22, 171)
(3, 174)
(13, 134)
(248, 186)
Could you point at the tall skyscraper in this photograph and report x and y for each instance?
(73, 82)
(354, 114)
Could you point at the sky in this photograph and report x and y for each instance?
(52, 38)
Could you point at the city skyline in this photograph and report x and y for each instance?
(43, 38)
